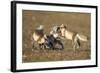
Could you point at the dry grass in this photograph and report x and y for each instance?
(56, 55)
(78, 22)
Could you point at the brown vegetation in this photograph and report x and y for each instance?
(78, 22)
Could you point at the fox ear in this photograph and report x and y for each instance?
(66, 26)
(62, 25)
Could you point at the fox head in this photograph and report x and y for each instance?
(62, 26)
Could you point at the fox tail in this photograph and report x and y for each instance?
(82, 37)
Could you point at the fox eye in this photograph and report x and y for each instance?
(61, 27)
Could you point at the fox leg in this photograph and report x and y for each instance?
(76, 42)
(73, 44)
